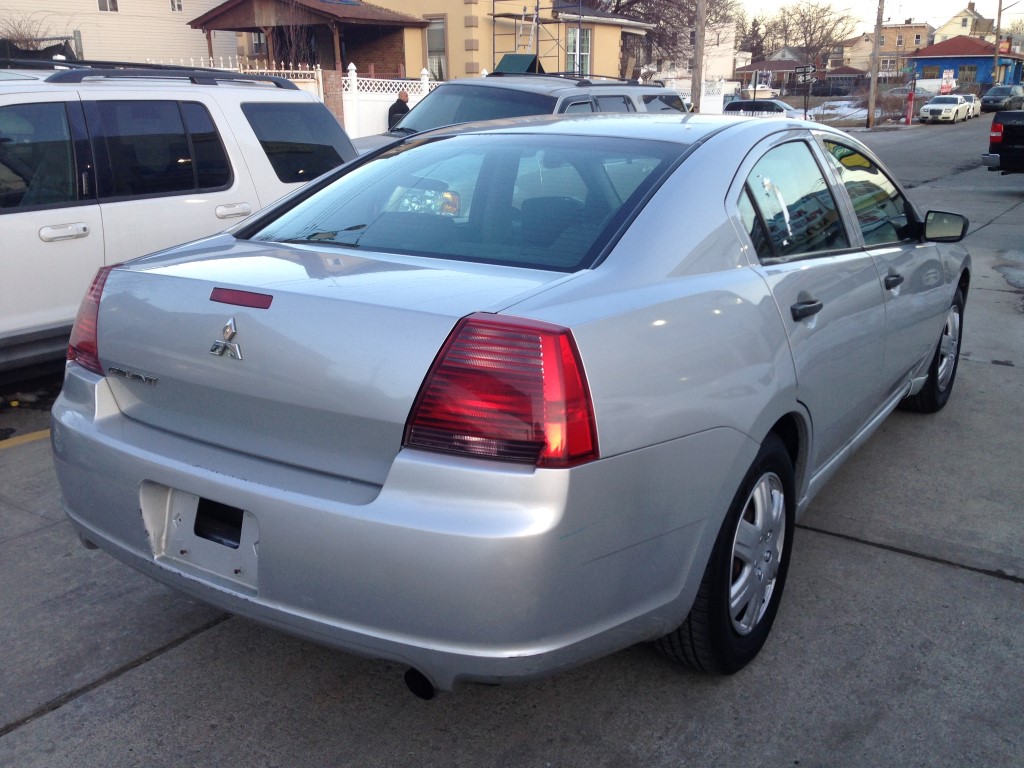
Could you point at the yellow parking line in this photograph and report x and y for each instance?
(31, 437)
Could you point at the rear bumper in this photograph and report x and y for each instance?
(463, 569)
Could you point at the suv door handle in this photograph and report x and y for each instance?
(232, 210)
(891, 281)
(56, 232)
(803, 309)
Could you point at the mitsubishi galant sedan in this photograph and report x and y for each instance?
(505, 398)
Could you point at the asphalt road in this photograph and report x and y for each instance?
(898, 642)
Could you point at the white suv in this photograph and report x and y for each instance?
(100, 165)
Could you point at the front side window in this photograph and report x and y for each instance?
(37, 161)
(547, 202)
(882, 212)
(145, 148)
(577, 51)
(795, 204)
(302, 141)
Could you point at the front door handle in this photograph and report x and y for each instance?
(803, 309)
(55, 232)
(891, 281)
(232, 210)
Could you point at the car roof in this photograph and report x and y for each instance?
(550, 84)
(682, 129)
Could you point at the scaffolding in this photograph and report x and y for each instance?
(520, 28)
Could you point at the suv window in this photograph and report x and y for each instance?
(530, 201)
(451, 104)
(615, 104)
(150, 147)
(669, 102)
(302, 141)
(37, 162)
(793, 205)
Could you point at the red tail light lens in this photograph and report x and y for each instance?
(995, 136)
(84, 346)
(507, 389)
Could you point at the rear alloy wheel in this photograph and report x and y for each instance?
(942, 371)
(742, 586)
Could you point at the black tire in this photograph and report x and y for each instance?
(942, 371)
(714, 638)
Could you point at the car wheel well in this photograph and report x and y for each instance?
(965, 283)
(790, 431)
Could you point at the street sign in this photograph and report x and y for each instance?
(806, 69)
(805, 78)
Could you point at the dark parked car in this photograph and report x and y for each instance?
(1006, 143)
(1003, 97)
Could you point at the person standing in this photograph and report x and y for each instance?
(398, 109)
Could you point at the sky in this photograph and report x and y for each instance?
(934, 12)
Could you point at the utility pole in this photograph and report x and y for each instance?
(995, 56)
(697, 76)
(873, 89)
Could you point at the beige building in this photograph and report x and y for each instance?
(120, 30)
(897, 45)
(967, 22)
(467, 37)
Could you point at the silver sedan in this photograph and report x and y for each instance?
(502, 399)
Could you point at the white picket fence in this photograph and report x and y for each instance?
(366, 100)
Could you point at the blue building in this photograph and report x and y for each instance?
(971, 60)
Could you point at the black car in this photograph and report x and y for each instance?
(1003, 97)
(1006, 143)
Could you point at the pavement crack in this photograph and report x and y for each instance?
(66, 698)
(992, 572)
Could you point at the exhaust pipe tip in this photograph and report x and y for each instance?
(419, 685)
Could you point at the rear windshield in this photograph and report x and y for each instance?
(452, 104)
(668, 102)
(302, 141)
(999, 91)
(549, 202)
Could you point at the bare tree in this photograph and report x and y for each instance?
(28, 31)
(674, 22)
(812, 26)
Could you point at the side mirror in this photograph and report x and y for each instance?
(943, 227)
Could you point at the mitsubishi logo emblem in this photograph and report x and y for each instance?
(227, 345)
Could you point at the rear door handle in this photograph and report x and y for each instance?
(232, 210)
(56, 232)
(806, 308)
(891, 281)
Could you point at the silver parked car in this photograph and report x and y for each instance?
(506, 398)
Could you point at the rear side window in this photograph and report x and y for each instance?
(669, 102)
(302, 141)
(615, 104)
(794, 204)
(37, 162)
(549, 202)
(451, 104)
(146, 148)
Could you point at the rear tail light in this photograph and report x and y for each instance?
(995, 136)
(509, 389)
(83, 347)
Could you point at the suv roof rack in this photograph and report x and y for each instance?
(581, 80)
(76, 71)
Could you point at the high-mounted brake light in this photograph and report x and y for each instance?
(506, 388)
(83, 348)
(995, 136)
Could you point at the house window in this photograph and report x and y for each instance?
(258, 42)
(899, 39)
(176, 6)
(968, 74)
(580, 53)
(437, 50)
(887, 65)
(963, 22)
(917, 39)
(881, 40)
(693, 37)
(108, 5)
(929, 73)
